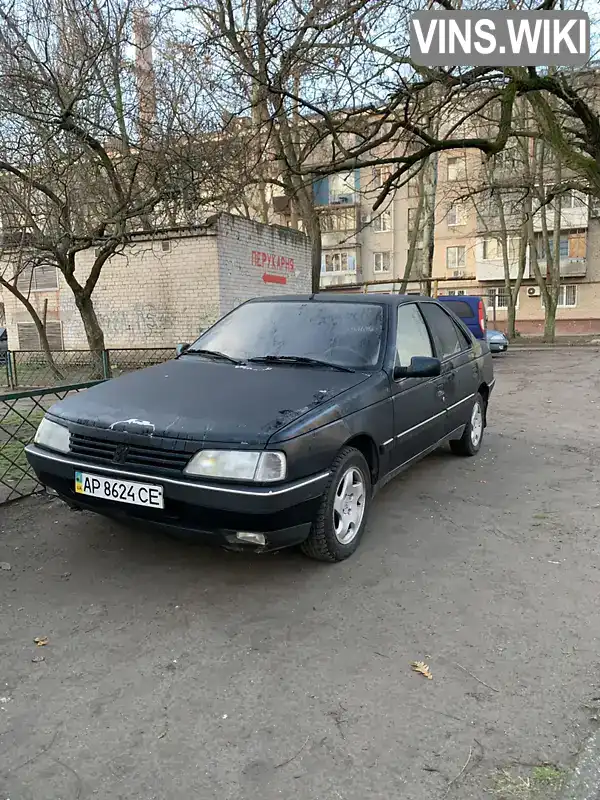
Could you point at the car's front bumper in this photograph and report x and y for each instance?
(211, 511)
(498, 347)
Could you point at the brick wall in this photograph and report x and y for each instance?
(151, 297)
(255, 259)
(148, 296)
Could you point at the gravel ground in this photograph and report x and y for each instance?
(176, 671)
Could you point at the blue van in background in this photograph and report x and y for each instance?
(471, 310)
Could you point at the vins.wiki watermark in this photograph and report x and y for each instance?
(494, 38)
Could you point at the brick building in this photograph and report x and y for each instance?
(167, 286)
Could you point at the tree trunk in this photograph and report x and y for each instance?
(93, 331)
(430, 189)
(550, 321)
(313, 227)
(39, 325)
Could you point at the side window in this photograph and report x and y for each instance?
(463, 338)
(444, 331)
(412, 338)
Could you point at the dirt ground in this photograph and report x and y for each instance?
(176, 671)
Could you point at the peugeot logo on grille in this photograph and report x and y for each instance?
(121, 453)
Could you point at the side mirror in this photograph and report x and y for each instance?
(420, 367)
(181, 348)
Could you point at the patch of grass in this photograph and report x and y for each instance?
(542, 783)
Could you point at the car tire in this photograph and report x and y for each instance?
(470, 442)
(341, 519)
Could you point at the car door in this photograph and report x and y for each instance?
(455, 350)
(418, 404)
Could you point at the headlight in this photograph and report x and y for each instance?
(53, 436)
(239, 465)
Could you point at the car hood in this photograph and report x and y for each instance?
(192, 398)
(495, 335)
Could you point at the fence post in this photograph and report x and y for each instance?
(11, 369)
(106, 364)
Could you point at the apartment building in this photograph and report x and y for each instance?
(361, 246)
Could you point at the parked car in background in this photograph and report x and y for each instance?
(3, 345)
(471, 310)
(278, 425)
(497, 341)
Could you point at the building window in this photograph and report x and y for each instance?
(491, 248)
(383, 222)
(381, 262)
(338, 262)
(567, 296)
(563, 249)
(455, 257)
(166, 245)
(412, 219)
(29, 338)
(499, 297)
(573, 199)
(413, 187)
(456, 292)
(343, 219)
(342, 187)
(380, 176)
(43, 278)
(456, 168)
(455, 215)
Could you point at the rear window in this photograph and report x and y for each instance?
(463, 310)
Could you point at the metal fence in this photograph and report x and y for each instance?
(42, 385)
(20, 415)
(20, 369)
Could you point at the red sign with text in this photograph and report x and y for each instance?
(276, 267)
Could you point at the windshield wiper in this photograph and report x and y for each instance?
(315, 362)
(216, 354)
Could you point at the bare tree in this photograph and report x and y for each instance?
(95, 142)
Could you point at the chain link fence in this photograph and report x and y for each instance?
(20, 415)
(41, 384)
(20, 369)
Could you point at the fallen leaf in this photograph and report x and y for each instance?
(41, 640)
(5, 565)
(38, 659)
(422, 668)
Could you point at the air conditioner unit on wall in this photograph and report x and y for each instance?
(534, 291)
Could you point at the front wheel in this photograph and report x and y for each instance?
(470, 442)
(341, 519)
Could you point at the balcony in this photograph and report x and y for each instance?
(493, 269)
(340, 278)
(569, 267)
(576, 217)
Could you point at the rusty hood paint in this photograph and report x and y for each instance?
(201, 400)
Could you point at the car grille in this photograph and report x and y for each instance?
(128, 454)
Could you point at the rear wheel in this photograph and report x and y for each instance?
(470, 442)
(341, 519)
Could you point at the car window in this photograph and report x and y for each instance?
(344, 333)
(445, 332)
(412, 337)
(465, 340)
(463, 309)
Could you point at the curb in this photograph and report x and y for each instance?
(584, 782)
(523, 348)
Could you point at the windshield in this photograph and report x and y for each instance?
(345, 334)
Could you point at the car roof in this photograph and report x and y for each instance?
(345, 297)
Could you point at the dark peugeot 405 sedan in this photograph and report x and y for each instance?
(278, 425)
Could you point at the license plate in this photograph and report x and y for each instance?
(137, 494)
